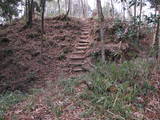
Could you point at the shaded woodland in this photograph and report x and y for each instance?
(79, 60)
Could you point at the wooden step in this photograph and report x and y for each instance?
(76, 63)
(82, 48)
(85, 33)
(83, 44)
(84, 37)
(77, 57)
(79, 52)
(78, 69)
(85, 29)
(84, 41)
(86, 26)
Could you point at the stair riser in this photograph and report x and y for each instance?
(77, 71)
(79, 52)
(84, 37)
(85, 44)
(77, 58)
(85, 30)
(76, 65)
(81, 48)
(82, 41)
(85, 33)
(85, 27)
(81, 45)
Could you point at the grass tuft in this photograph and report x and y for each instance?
(8, 99)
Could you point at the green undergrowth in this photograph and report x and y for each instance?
(114, 88)
(9, 99)
(69, 84)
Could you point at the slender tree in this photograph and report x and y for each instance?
(112, 8)
(68, 9)
(101, 20)
(129, 11)
(135, 11)
(26, 10)
(156, 39)
(140, 19)
(83, 8)
(100, 13)
(30, 13)
(141, 8)
(123, 9)
(59, 7)
(43, 2)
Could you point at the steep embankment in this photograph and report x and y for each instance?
(60, 52)
(26, 56)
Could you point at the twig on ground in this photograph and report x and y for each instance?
(117, 116)
(115, 100)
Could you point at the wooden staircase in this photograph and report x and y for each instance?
(78, 57)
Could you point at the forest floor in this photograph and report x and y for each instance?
(50, 69)
(32, 62)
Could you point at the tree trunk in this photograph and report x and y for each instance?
(26, 10)
(140, 19)
(42, 16)
(68, 10)
(101, 20)
(83, 8)
(156, 40)
(43, 3)
(135, 11)
(112, 8)
(154, 26)
(156, 7)
(59, 7)
(30, 13)
(140, 14)
(70, 4)
(79, 14)
(86, 8)
(66, 6)
(129, 11)
(100, 13)
(124, 15)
